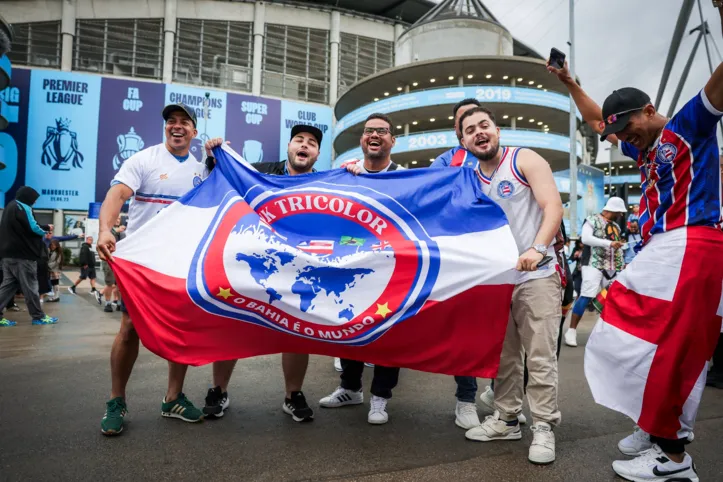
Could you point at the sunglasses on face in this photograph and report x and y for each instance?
(382, 131)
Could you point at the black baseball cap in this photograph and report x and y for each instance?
(170, 108)
(618, 108)
(314, 131)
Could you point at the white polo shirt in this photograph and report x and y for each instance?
(157, 179)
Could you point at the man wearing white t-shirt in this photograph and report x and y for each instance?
(152, 179)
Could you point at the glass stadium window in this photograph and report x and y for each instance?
(36, 44)
(131, 48)
(213, 53)
(360, 57)
(296, 63)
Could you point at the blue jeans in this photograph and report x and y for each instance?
(466, 389)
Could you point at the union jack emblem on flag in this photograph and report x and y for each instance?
(381, 246)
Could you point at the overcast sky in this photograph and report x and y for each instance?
(618, 42)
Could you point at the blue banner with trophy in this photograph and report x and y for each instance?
(252, 127)
(294, 113)
(12, 139)
(62, 138)
(210, 109)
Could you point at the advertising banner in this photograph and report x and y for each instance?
(590, 189)
(215, 104)
(13, 138)
(452, 95)
(293, 113)
(62, 138)
(130, 121)
(252, 126)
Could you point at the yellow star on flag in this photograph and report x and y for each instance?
(383, 309)
(225, 293)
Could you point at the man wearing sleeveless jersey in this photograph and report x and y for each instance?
(152, 179)
(302, 153)
(458, 156)
(648, 354)
(521, 182)
(376, 142)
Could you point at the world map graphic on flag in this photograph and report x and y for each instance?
(341, 283)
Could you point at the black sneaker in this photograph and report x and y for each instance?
(297, 407)
(108, 309)
(216, 403)
(117, 307)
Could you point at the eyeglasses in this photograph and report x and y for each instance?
(611, 119)
(382, 131)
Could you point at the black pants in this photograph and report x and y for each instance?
(384, 381)
(670, 446)
(717, 369)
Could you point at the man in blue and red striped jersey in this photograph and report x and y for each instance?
(648, 354)
(458, 155)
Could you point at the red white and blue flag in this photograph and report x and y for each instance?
(429, 287)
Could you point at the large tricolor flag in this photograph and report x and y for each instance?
(249, 264)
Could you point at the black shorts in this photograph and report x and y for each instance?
(88, 272)
(123, 306)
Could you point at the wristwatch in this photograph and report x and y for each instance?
(540, 248)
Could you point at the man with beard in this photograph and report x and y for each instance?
(302, 153)
(376, 142)
(152, 179)
(521, 182)
(458, 155)
(648, 353)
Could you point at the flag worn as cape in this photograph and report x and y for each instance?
(408, 269)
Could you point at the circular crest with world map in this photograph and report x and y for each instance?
(322, 263)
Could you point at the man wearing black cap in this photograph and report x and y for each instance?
(152, 179)
(648, 354)
(302, 153)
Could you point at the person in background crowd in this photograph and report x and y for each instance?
(574, 259)
(521, 182)
(632, 238)
(56, 261)
(162, 172)
(110, 290)
(54, 274)
(602, 259)
(458, 155)
(634, 216)
(674, 284)
(21, 247)
(376, 142)
(87, 268)
(302, 153)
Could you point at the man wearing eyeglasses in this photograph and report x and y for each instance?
(376, 142)
(648, 354)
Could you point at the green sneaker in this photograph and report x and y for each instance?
(115, 410)
(181, 408)
(6, 322)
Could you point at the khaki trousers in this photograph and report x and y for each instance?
(532, 329)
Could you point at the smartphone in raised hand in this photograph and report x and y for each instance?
(557, 58)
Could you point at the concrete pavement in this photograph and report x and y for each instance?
(54, 381)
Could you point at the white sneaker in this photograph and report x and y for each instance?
(635, 443)
(571, 337)
(542, 450)
(337, 365)
(654, 466)
(488, 404)
(370, 365)
(466, 415)
(341, 397)
(378, 411)
(494, 429)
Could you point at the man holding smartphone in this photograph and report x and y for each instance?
(648, 354)
(521, 182)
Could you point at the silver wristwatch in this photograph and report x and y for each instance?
(540, 248)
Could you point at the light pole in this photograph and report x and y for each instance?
(573, 130)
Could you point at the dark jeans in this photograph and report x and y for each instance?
(21, 273)
(670, 446)
(384, 381)
(718, 358)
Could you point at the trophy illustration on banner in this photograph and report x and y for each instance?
(61, 147)
(253, 151)
(128, 144)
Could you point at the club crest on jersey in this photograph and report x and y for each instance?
(197, 180)
(666, 153)
(280, 262)
(505, 189)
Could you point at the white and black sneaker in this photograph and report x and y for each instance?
(654, 466)
(96, 293)
(71, 289)
(216, 403)
(297, 407)
(342, 396)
